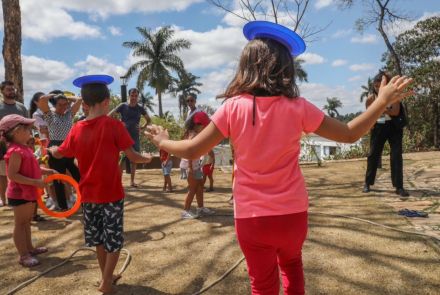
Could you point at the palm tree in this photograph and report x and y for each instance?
(366, 89)
(183, 86)
(147, 101)
(333, 103)
(301, 74)
(158, 53)
(12, 45)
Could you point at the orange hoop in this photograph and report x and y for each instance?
(69, 180)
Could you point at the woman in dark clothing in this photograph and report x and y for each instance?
(384, 130)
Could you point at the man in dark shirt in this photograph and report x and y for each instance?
(131, 113)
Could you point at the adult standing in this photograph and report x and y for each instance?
(8, 106)
(131, 114)
(389, 127)
(59, 122)
(191, 101)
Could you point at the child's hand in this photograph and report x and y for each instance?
(394, 91)
(40, 183)
(148, 157)
(156, 134)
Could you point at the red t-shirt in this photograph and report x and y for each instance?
(29, 167)
(96, 145)
(163, 156)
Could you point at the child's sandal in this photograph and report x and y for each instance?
(28, 261)
(37, 251)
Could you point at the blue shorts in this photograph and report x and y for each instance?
(198, 174)
(166, 169)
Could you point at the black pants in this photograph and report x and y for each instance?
(379, 135)
(62, 165)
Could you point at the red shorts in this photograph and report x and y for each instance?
(208, 169)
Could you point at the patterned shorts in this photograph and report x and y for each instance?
(103, 225)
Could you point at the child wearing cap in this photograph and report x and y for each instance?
(25, 176)
(264, 117)
(195, 175)
(96, 143)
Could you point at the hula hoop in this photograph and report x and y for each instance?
(75, 207)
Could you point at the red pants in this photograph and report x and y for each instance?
(270, 243)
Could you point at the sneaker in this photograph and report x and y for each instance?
(204, 211)
(188, 215)
(402, 193)
(50, 203)
(71, 201)
(366, 188)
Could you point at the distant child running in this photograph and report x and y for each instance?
(96, 143)
(166, 164)
(195, 175)
(25, 176)
(208, 163)
(264, 117)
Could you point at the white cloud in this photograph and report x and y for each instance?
(355, 78)
(339, 62)
(312, 58)
(341, 33)
(362, 67)
(317, 94)
(401, 26)
(40, 74)
(44, 20)
(95, 65)
(323, 3)
(115, 31)
(366, 39)
(212, 49)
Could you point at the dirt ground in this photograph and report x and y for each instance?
(174, 256)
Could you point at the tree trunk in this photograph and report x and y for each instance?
(159, 96)
(12, 44)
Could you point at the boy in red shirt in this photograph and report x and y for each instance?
(96, 142)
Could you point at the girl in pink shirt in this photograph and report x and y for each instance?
(264, 117)
(25, 176)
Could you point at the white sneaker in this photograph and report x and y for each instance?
(49, 203)
(204, 211)
(71, 201)
(188, 215)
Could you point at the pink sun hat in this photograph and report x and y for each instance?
(10, 121)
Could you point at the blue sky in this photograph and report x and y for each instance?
(64, 39)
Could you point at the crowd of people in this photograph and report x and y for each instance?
(270, 196)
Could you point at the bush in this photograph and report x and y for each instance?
(174, 130)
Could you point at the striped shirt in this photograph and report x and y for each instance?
(59, 125)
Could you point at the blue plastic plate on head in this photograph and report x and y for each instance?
(89, 79)
(287, 37)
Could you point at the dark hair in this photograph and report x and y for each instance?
(6, 83)
(59, 95)
(5, 139)
(192, 95)
(94, 93)
(266, 68)
(132, 89)
(378, 79)
(33, 104)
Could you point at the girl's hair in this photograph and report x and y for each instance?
(33, 104)
(59, 95)
(378, 79)
(5, 138)
(266, 68)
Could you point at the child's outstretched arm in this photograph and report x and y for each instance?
(135, 157)
(14, 175)
(200, 145)
(389, 93)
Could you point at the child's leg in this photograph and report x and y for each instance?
(199, 193)
(260, 253)
(289, 256)
(164, 183)
(211, 182)
(192, 189)
(168, 182)
(112, 241)
(22, 222)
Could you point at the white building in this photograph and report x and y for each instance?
(323, 148)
